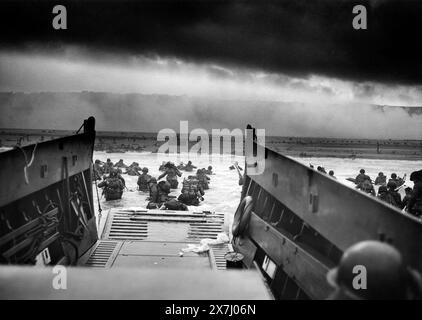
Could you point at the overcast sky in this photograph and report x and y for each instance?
(301, 51)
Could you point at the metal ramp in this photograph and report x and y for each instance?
(162, 225)
(144, 238)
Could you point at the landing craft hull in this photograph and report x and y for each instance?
(46, 202)
(302, 221)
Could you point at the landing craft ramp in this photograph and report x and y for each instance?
(155, 238)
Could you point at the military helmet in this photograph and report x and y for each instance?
(144, 169)
(152, 180)
(382, 189)
(380, 174)
(416, 176)
(164, 186)
(393, 175)
(384, 275)
(408, 189)
(209, 167)
(362, 171)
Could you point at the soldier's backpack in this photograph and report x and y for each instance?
(114, 184)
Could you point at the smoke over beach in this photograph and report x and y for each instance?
(150, 113)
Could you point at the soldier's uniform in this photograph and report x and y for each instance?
(191, 192)
(172, 173)
(189, 167)
(108, 166)
(120, 164)
(143, 180)
(367, 187)
(97, 171)
(113, 187)
(381, 179)
(361, 177)
(203, 179)
(414, 205)
(133, 169)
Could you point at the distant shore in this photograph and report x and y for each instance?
(290, 146)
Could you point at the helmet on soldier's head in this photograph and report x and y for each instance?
(145, 169)
(416, 176)
(380, 174)
(393, 175)
(382, 189)
(362, 171)
(152, 180)
(165, 186)
(189, 162)
(209, 167)
(370, 270)
(113, 172)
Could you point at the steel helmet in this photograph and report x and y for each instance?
(382, 189)
(386, 275)
(393, 175)
(144, 169)
(416, 176)
(362, 171)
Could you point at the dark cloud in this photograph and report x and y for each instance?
(296, 37)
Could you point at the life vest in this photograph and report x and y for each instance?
(191, 186)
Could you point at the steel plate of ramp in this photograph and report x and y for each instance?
(120, 226)
(162, 225)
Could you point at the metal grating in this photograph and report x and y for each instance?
(217, 253)
(101, 256)
(123, 227)
(210, 228)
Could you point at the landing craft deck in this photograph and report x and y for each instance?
(155, 238)
(295, 227)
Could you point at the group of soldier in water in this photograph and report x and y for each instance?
(194, 186)
(388, 189)
(192, 192)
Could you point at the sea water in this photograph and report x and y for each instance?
(224, 193)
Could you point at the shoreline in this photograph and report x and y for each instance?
(300, 147)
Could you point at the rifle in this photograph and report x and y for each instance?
(240, 175)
